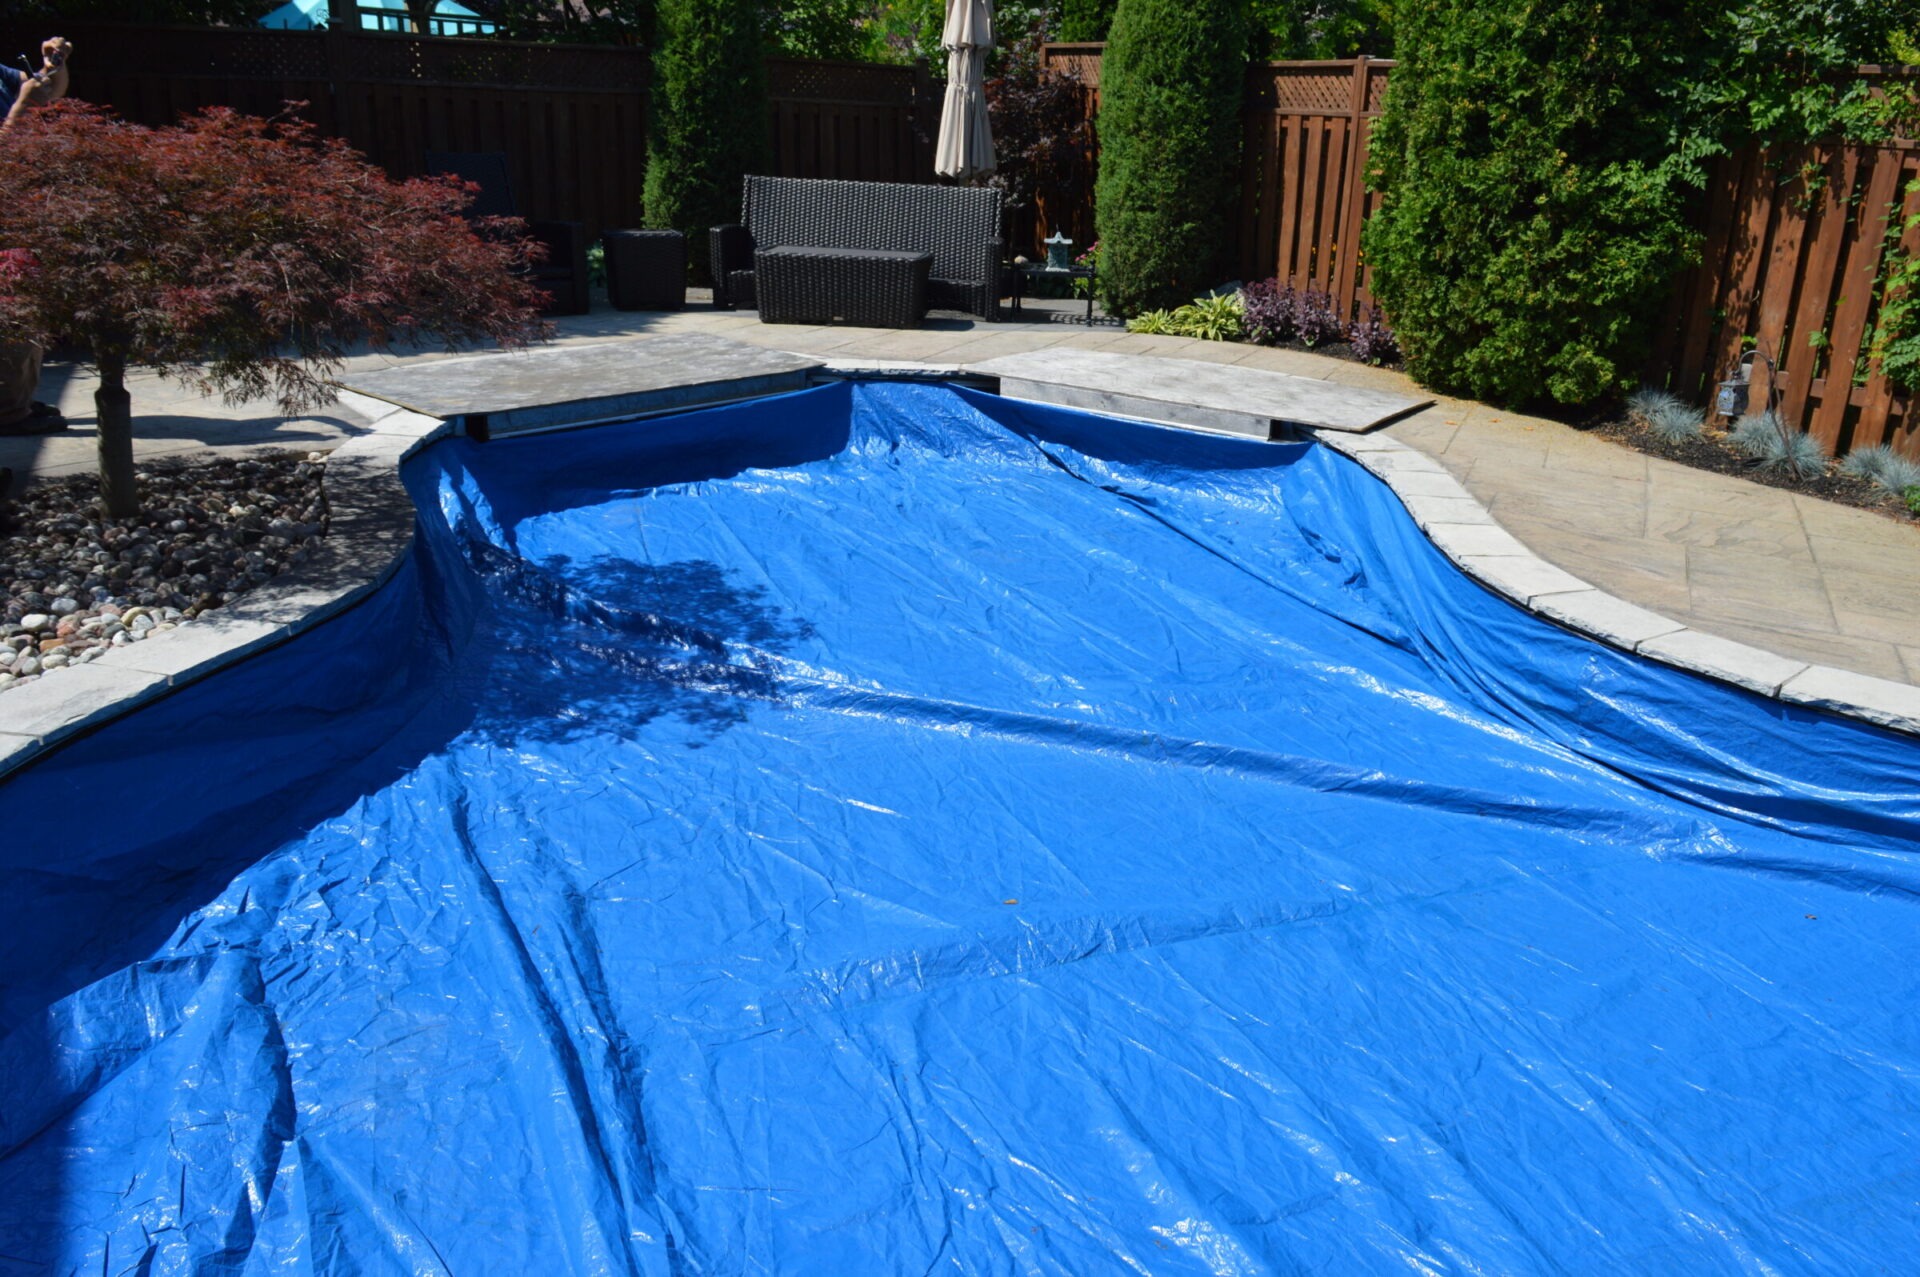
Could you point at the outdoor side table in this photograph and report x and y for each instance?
(646, 270)
(870, 287)
(1037, 270)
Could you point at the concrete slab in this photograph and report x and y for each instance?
(56, 705)
(1185, 392)
(1463, 540)
(1415, 484)
(1605, 617)
(15, 750)
(1522, 578)
(1736, 663)
(1895, 705)
(1427, 511)
(555, 387)
(184, 654)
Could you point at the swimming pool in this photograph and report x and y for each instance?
(890, 828)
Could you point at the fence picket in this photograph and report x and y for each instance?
(1745, 253)
(1876, 412)
(1856, 298)
(1780, 274)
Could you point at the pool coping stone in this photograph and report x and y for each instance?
(1464, 530)
(371, 522)
(370, 529)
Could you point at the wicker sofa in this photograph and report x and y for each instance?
(959, 226)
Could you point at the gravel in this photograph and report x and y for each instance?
(77, 583)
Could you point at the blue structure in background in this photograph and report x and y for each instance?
(894, 829)
(449, 18)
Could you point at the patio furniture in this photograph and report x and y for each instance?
(867, 286)
(1040, 270)
(958, 226)
(646, 270)
(563, 275)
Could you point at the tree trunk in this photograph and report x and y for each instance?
(113, 408)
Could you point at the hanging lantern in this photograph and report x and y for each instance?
(1731, 401)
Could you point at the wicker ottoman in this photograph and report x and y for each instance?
(865, 286)
(646, 270)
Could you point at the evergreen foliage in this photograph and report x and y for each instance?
(1527, 237)
(1540, 158)
(1170, 148)
(1086, 19)
(707, 127)
(1317, 29)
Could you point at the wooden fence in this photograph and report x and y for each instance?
(1794, 244)
(571, 118)
(1303, 191)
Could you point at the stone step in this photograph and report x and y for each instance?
(557, 387)
(1185, 392)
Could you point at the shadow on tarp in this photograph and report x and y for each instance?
(117, 837)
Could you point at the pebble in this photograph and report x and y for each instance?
(74, 583)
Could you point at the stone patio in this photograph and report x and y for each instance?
(1804, 578)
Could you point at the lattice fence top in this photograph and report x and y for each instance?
(1297, 88)
(1081, 61)
(1318, 87)
(840, 81)
(1377, 87)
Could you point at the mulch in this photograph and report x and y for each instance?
(1711, 451)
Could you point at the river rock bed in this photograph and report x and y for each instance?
(77, 583)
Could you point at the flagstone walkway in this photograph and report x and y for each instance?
(1797, 576)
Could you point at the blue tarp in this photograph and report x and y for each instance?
(889, 829)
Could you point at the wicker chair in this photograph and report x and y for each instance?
(959, 226)
(564, 274)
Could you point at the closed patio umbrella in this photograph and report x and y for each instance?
(965, 148)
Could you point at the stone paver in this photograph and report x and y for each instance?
(1807, 581)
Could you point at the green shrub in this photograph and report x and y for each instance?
(1217, 318)
(1170, 147)
(1527, 237)
(1913, 499)
(707, 127)
(1540, 157)
(1085, 19)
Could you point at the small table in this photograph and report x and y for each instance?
(646, 270)
(868, 286)
(1039, 270)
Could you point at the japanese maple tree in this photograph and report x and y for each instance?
(238, 255)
